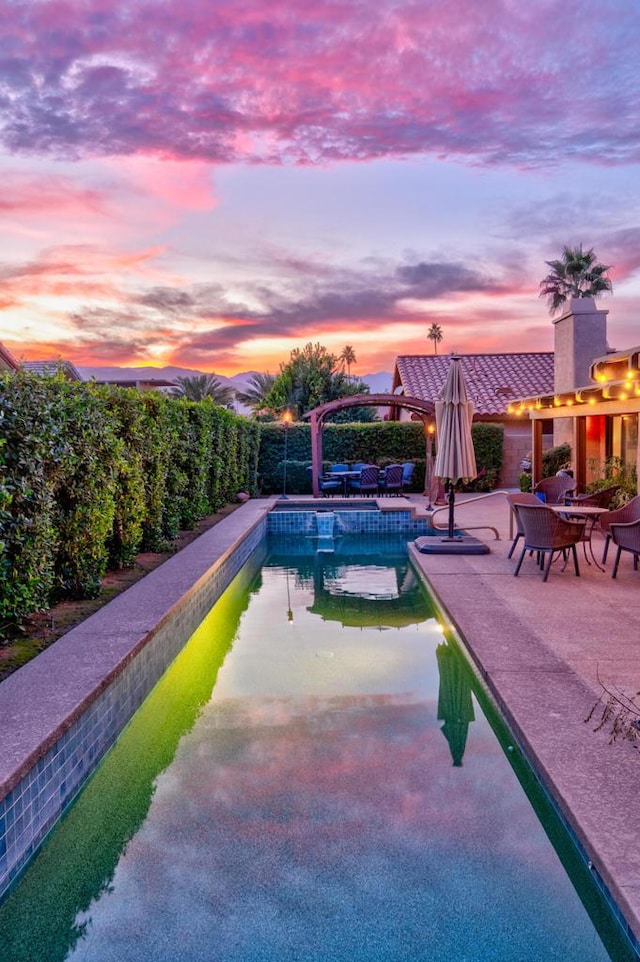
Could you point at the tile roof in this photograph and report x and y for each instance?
(493, 380)
(53, 366)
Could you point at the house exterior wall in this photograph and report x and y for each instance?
(580, 334)
(516, 446)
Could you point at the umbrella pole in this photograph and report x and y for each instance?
(452, 499)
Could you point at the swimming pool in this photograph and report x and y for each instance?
(316, 776)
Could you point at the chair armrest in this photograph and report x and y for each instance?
(572, 527)
(625, 525)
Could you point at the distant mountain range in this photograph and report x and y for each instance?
(379, 383)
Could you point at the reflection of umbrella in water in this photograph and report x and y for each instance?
(455, 457)
(455, 706)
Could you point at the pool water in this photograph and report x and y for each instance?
(316, 777)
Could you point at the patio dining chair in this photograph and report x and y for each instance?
(408, 469)
(520, 497)
(367, 481)
(390, 481)
(548, 534)
(555, 489)
(627, 538)
(598, 499)
(330, 486)
(623, 515)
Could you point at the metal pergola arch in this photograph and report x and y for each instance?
(425, 410)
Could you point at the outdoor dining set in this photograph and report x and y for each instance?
(367, 479)
(552, 520)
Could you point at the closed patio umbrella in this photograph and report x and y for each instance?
(455, 457)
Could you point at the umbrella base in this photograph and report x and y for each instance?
(462, 544)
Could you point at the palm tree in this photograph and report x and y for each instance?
(435, 334)
(258, 386)
(200, 386)
(576, 274)
(348, 357)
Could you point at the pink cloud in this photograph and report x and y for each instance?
(293, 82)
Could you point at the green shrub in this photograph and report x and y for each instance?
(90, 459)
(28, 468)
(615, 471)
(556, 459)
(382, 443)
(91, 475)
(525, 481)
(488, 444)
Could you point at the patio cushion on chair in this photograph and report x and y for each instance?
(546, 533)
(408, 468)
(330, 486)
(627, 538)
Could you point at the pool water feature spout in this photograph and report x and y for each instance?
(325, 523)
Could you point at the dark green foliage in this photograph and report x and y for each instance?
(90, 457)
(312, 376)
(89, 476)
(30, 439)
(488, 442)
(158, 452)
(525, 481)
(556, 459)
(576, 274)
(615, 471)
(382, 443)
(127, 413)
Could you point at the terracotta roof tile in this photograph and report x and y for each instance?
(493, 380)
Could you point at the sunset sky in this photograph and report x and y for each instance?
(210, 183)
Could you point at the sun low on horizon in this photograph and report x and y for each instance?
(209, 186)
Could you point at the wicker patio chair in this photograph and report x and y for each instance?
(521, 497)
(556, 488)
(390, 481)
(367, 482)
(627, 513)
(599, 499)
(546, 533)
(627, 538)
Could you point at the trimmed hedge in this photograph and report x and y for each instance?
(382, 443)
(90, 476)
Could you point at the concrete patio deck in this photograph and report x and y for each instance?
(542, 650)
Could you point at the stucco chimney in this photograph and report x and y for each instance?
(580, 335)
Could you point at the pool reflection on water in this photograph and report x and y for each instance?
(314, 778)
